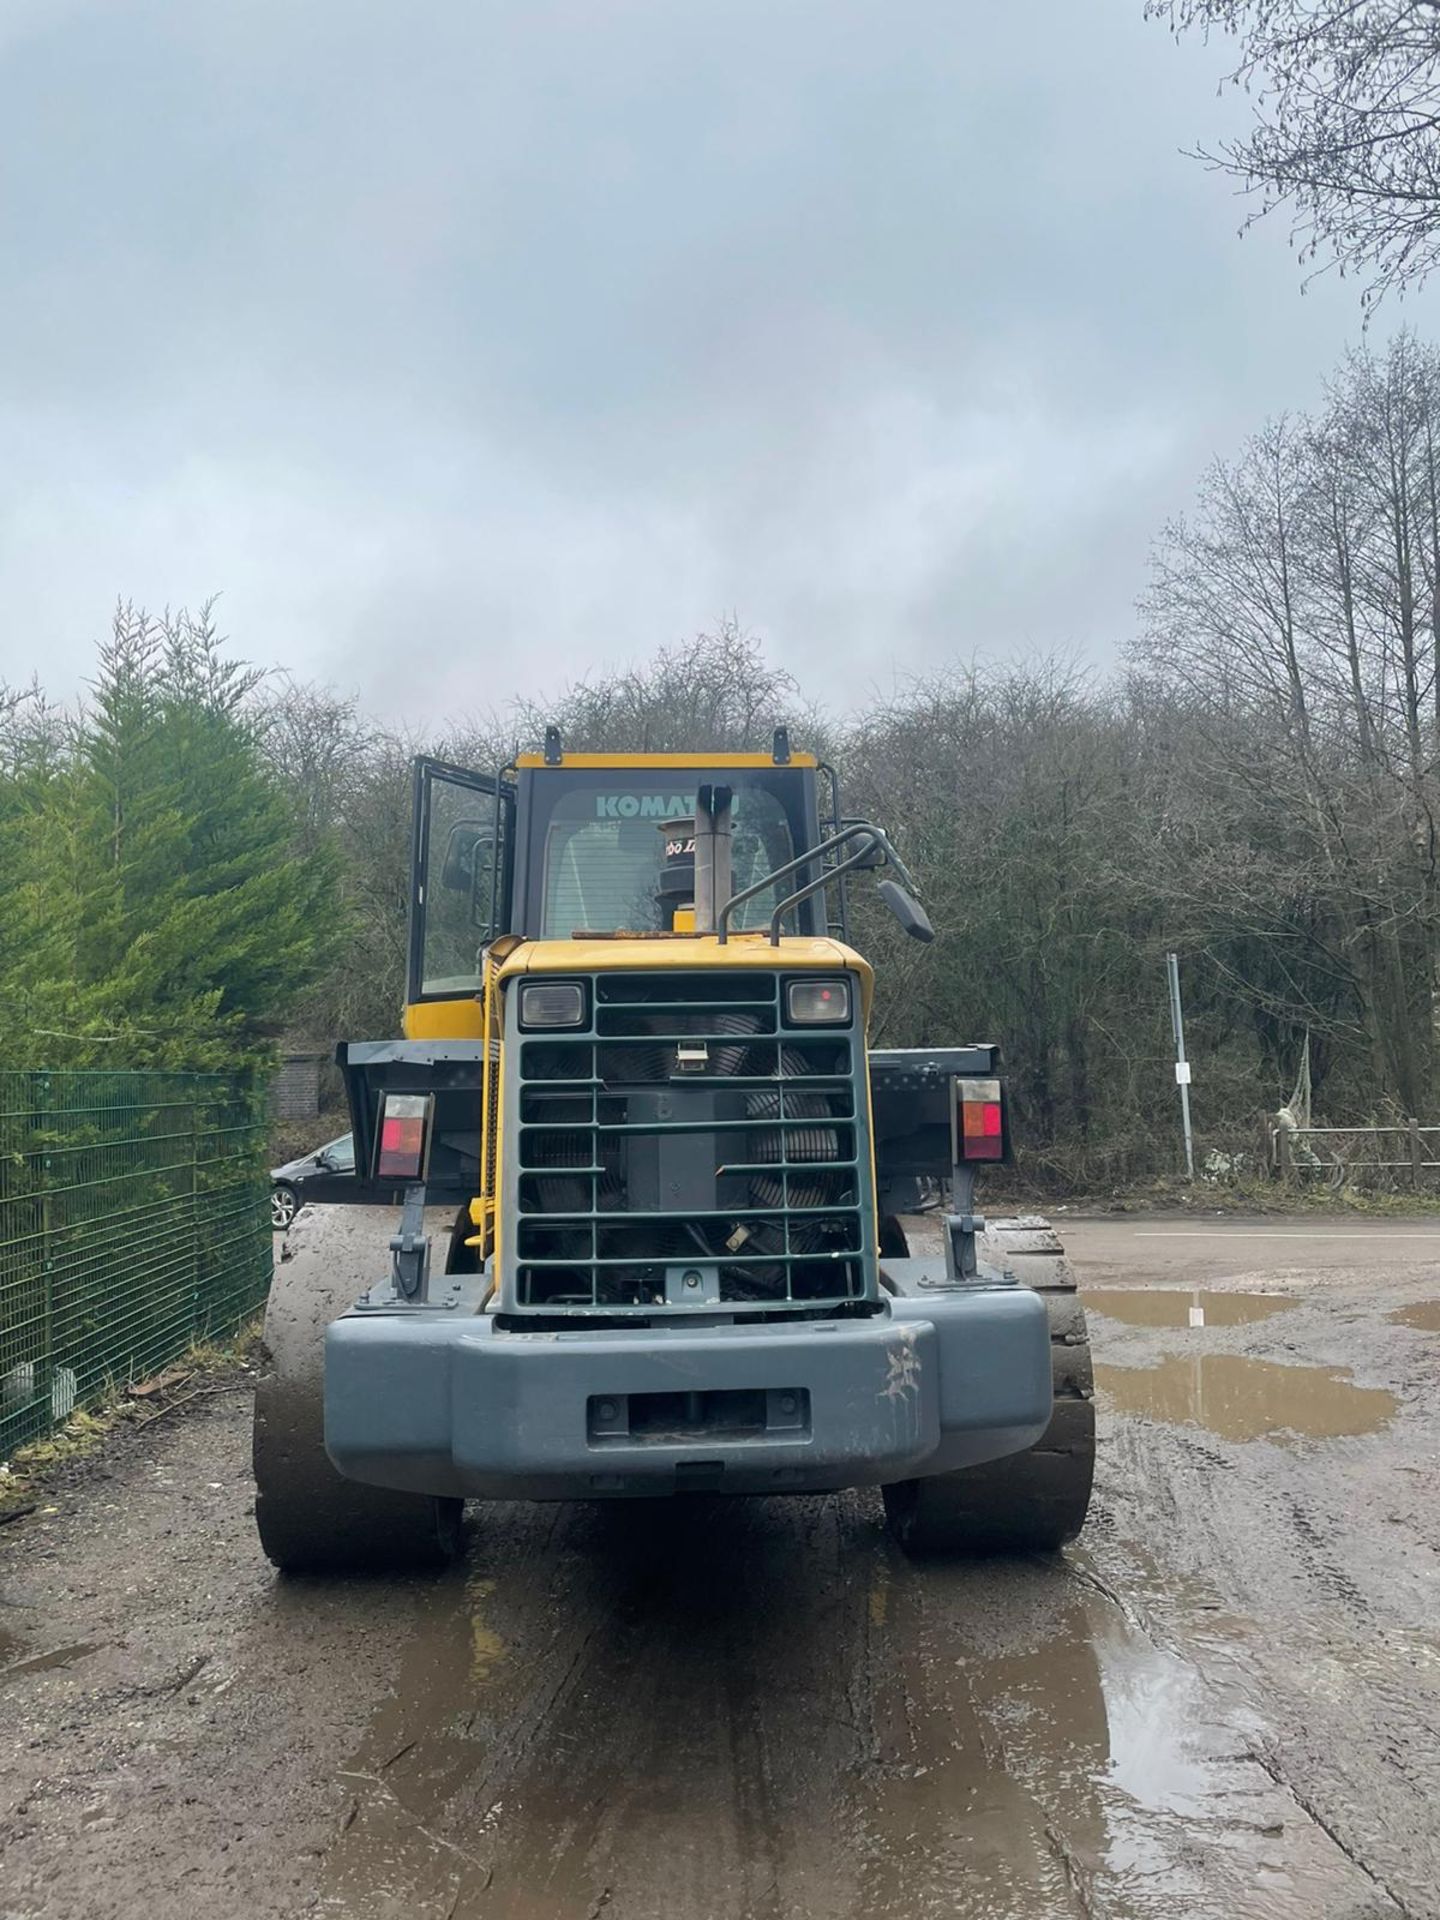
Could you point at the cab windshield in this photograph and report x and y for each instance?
(602, 843)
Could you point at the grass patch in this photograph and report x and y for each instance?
(1241, 1195)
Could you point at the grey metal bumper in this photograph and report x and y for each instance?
(446, 1403)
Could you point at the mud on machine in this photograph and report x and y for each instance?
(628, 1199)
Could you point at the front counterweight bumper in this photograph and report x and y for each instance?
(442, 1403)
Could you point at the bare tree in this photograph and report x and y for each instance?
(1298, 605)
(714, 690)
(1223, 603)
(1347, 128)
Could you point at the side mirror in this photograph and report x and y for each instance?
(874, 854)
(458, 871)
(906, 909)
(469, 867)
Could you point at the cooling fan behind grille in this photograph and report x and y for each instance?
(779, 1144)
(560, 1193)
(631, 1065)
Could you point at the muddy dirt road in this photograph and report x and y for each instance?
(1225, 1702)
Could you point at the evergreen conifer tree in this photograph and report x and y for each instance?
(161, 914)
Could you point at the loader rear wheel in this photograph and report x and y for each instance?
(310, 1518)
(1030, 1502)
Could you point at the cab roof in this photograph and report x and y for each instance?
(661, 760)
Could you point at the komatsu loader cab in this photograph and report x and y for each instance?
(650, 1181)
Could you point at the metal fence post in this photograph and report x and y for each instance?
(43, 1378)
(1182, 1065)
(197, 1287)
(1287, 1163)
(1413, 1126)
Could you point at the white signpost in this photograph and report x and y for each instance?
(1182, 1065)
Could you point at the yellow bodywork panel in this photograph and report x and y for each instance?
(694, 950)
(463, 1019)
(445, 1019)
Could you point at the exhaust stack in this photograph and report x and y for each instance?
(714, 866)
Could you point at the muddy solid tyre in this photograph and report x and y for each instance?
(1030, 1502)
(310, 1518)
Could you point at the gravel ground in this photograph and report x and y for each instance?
(1225, 1701)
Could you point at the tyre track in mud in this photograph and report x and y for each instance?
(1225, 1705)
(745, 1735)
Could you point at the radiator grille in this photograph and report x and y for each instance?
(686, 1151)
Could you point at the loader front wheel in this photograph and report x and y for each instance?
(310, 1518)
(1030, 1502)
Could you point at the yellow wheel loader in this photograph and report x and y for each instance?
(628, 1195)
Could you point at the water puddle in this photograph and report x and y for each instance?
(1244, 1399)
(1192, 1307)
(1425, 1314)
(1084, 1770)
(419, 1748)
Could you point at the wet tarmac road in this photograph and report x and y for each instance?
(1226, 1702)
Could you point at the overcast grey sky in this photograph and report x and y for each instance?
(465, 346)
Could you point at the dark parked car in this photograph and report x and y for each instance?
(311, 1178)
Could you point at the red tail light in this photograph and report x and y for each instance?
(982, 1120)
(404, 1136)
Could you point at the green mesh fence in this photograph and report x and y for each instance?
(134, 1220)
